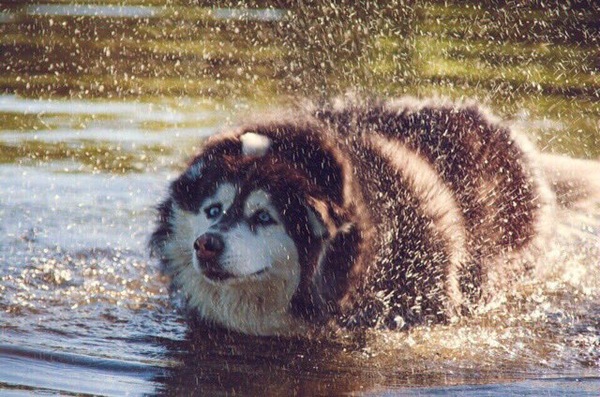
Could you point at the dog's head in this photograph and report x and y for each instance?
(249, 223)
(241, 233)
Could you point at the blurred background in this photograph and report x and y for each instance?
(536, 62)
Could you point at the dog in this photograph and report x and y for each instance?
(379, 213)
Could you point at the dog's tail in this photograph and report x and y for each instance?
(574, 181)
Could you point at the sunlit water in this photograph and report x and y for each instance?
(83, 309)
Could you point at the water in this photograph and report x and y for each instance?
(102, 105)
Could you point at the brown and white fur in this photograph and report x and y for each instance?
(383, 213)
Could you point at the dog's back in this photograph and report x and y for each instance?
(456, 199)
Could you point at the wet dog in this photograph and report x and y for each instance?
(377, 214)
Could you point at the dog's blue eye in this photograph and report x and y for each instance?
(213, 211)
(263, 217)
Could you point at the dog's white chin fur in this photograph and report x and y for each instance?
(256, 305)
(253, 304)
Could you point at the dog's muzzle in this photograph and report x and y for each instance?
(208, 248)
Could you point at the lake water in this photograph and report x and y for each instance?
(101, 105)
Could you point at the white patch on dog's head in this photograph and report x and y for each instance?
(254, 144)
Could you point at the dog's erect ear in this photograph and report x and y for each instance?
(304, 148)
(317, 225)
(333, 277)
(203, 173)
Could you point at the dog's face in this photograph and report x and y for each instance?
(239, 263)
(244, 229)
(241, 237)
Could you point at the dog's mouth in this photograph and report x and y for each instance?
(218, 275)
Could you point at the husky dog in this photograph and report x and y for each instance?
(379, 214)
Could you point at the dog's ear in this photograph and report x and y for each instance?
(318, 227)
(320, 297)
(333, 278)
(305, 148)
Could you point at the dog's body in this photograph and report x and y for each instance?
(378, 214)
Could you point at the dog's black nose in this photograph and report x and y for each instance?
(208, 246)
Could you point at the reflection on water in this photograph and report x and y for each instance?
(71, 373)
(145, 11)
(248, 14)
(102, 104)
(92, 10)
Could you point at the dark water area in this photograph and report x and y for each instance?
(101, 104)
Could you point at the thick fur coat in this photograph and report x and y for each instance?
(387, 213)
